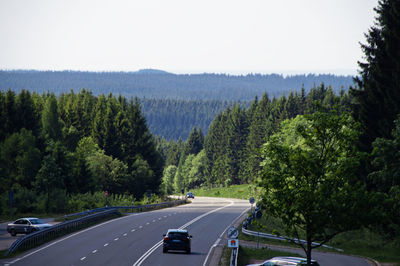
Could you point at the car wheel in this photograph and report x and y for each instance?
(164, 250)
(13, 232)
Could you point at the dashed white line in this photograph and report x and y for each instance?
(94, 251)
(159, 218)
(116, 239)
(106, 244)
(147, 223)
(165, 216)
(141, 226)
(154, 221)
(125, 234)
(133, 230)
(83, 258)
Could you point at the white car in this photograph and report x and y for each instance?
(286, 261)
(26, 226)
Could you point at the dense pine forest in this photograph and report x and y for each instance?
(52, 148)
(155, 84)
(174, 119)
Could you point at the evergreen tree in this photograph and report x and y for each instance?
(377, 98)
(194, 144)
(51, 125)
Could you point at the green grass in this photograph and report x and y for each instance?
(247, 255)
(236, 191)
(361, 242)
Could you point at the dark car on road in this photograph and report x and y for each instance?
(177, 239)
(26, 226)
(190, 195)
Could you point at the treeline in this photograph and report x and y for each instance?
(174, 119)
(230, 152)
(162, 85)
(54, 148)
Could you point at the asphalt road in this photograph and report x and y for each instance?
(136, 239)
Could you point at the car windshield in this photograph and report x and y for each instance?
(36, 221)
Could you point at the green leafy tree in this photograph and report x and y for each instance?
(48, 179)
(51, 125)
(168, 179)
(19, 161)
(197, 173)
(386, 159)
(309, 173)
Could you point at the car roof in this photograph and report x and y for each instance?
(26, 218)
(291, 259)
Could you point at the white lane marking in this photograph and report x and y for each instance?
(67, 237)
(154, 221)
(106, 244)
(220, 237)
(157, 245)
(116, 239)
(141, 226)
(147, 223)
(159, 218)
(165, 216)
(94, 251)
(125, 234)
(133, 230)
(83, 258)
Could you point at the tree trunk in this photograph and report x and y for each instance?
(309, 247)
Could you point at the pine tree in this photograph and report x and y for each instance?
(51, 125)
(377, 100)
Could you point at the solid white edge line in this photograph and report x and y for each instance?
(220, 237)
(151, 250)
(65, 238)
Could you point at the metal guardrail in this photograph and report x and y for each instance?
(283, 238)
(39, 237)
(133, 207)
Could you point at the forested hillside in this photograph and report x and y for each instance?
(157, 84)
(230, 152)
(174, 119)
(55, 148)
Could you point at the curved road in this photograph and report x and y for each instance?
(136, 239)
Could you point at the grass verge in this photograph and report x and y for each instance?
(236, 191)
(249, 255)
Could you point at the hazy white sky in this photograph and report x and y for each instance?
(185, 36)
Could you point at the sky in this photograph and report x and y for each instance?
(185, 36)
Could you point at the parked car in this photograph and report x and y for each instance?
(286, 261)
(177, 239)
(190, 195)
(26, 226)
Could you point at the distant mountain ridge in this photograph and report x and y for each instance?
(159, 84)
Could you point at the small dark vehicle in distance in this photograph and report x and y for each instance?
(176, 239)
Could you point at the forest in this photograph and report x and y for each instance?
(54, 148)
(327, 160)
(153, 84)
